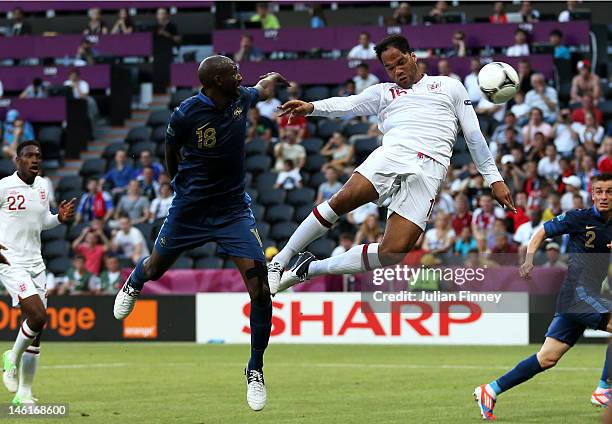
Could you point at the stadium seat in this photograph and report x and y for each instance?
(59, 266)
(136, 149)
(183, 262)
(258, 164)
(314, 163)
(271, 197)
(93, 168)
(55, 233)
(282, 231)
(263, 228)
(312, 145)
(316, 180)
(68, 183)
(158, 135)
(302, 212)
(328, 127)
(111, 149)
(55, 249)
(51, 134)
(158, 118)
(265, 181)
(208, 263)
(363, 148)
(138, 134)
(321, 248)
(317, 92)
(358, 128)
(51, 150)
(68, 195)
(252, 193)
(258, 211)
(75, 231)
(178, 97)
(207, 250)
(606, 108)
(248, 179)
(279, 213)
(311, 127)
(7, 167)
(256, 147)
(301, 196)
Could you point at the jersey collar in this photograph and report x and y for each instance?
(205, 99)
(596, 211)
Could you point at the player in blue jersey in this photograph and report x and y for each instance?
(205, 157)
(580, 304)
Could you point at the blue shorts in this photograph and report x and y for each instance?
(568, 327)
(235, 233)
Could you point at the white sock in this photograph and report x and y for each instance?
(363, 257)
(314, 226)
(29, 363)
(24, 339)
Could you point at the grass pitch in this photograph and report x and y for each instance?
(189, 383)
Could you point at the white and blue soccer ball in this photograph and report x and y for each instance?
(498, 82)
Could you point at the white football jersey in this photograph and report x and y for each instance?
(24, 213)
(424, 118)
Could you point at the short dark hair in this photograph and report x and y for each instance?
(25, 144)
(602, 177)
(396, 40)
(363, 65)
(556, 32)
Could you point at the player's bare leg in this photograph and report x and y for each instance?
(400, 236)
(254, 276)
(147, 269)
(34, 317)
(357, 191)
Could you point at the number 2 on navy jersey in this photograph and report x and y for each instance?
(16, 203)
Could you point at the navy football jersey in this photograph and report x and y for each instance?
(589, 256)
(211, 141)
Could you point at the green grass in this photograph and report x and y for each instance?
(189, 383)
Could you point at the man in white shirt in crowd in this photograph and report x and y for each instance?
(471, 81)
(161, 204)
(563, 133)
(269, 106)
(444, 70)
(553, 257)
(130, 241)
(520, 46)
(525, 231)
(509, 122)
(573, 186)
(364, 78)
(364, 50)
(542, 97)
(548, 166)
(289, 149)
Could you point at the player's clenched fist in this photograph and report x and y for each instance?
(66, 211)
(525, 270)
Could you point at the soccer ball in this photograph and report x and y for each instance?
(498, 82)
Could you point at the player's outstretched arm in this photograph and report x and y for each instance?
(532, 248)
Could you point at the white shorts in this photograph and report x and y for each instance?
(411, 181)
(21, 283)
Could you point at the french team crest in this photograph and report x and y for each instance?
(237, 112)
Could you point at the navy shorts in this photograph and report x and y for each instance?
(235, 233)
(568, 327)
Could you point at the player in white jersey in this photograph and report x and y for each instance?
(24, 213)
(419, 117)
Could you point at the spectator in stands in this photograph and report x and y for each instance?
(148, 186)
(587, 106)
(110, 279)
(537, 147)
(543, 97)
(548, 166)
(422, 67)
(91, 244)
(536, 124)
(499, 14)
(85, 54)
(259, 126)
(339, 151)
(364, 78)
(78, 279)
(94, 204)
(146, 160)
(120, 173)
(268, 107)
(330, 187)
(471, 81)
(553, 207)
(359, 215)
(563, 133)
(566, 15)
(589, 133)
(36, 90)
(585, 83)
(80, 87)
(520, 217)
(369, 231)
(123, 24)
(524, 71)
(161, 204)
(586, 172)
(129, 241)
(553, 257)
(96, 25)
(509, 122)
(573, 186)
(263, 15)
(133, 204)
(165, 28)
(561, 51)
(436, 14)
(294, 91)
(288, 148)
(520, 109)
(402, 15)
(15, 131)
(604, 164)
(503, 253)
(441, 237)
(364, 50)
(520, 46)
(462, 217)
(458, 49)
(495, 111)
(524, 233)
(528, 13)
(483, 218)
(289, 178)
(295, 123)
(444, 69)
(248, 52)
(345, 242)
(20, 26)
(317, 16)
(464, 243)
(348, 89)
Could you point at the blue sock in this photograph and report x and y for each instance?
(137, 278)
(605, 373)
(261, 325)
(523, 371)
